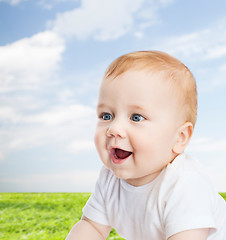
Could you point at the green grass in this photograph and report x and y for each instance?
(42, 215)
(223, 195)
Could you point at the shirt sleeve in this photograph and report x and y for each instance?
(95, 208)
(189, 205)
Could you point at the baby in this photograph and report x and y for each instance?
(149, 188)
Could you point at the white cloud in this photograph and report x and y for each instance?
(12, 2)
(207, 145)
(218, 178)
(219, 78)
(28, 122)
(49, 4)
(205, 45)
(81, 145)
(70, 181)
(139, 35)
(71, 126)
(107, 20)
(57, 115)
(62, 115)
(1, 156)
(166, 2)
(24, 63)
(212, 155)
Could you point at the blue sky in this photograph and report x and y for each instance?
(53, 54)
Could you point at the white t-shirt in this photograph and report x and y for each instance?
(180, 198)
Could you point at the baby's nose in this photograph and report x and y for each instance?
(116, 130)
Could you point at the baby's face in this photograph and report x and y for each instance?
(137, 126)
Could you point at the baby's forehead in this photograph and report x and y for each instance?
(139, 76)
(138, 68)
(139, 80)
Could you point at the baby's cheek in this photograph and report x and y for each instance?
(142, 141)
(100, 141)
(96, 139)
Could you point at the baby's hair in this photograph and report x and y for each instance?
(179, 77)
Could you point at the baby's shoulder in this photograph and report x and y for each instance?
(186, 176)
(184, 166)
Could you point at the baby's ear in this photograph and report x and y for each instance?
(184, 134)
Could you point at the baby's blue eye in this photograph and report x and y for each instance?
(137, 117)
(106, 116)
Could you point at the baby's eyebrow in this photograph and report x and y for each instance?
(136, 107)
(101, 105)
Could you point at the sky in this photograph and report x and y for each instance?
(53, 54)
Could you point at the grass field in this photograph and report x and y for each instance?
(42, 215)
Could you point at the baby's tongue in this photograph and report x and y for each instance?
(121, 154)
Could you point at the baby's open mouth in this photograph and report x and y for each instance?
(121, 154)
